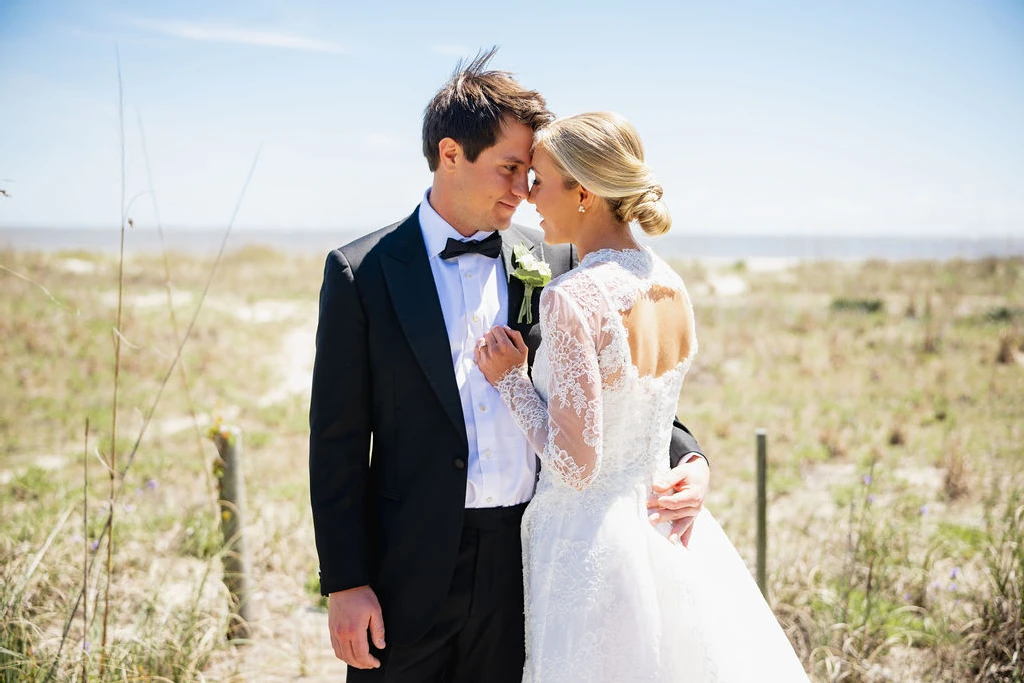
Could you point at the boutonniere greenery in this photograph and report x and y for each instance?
(533, 273)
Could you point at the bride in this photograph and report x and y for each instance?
(608, 597)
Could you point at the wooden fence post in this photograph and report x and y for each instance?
(231, 486)
(762, 511)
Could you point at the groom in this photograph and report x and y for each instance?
(418, 474)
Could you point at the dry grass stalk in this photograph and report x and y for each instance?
(911, 309)
(956, 478)
(85, 556)
(933, 333)
(186, 385)
(1011, 349)
(112, 465)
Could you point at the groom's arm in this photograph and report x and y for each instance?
(340, 424)
(684, 445)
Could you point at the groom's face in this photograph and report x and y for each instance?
(490, 188)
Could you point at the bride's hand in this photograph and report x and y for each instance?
(500, 350)
(678, 497)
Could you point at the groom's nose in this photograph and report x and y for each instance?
(521, 185)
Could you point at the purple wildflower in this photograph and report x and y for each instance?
(128, 507)
(85, 645)
(924, 509)
(955, 573)
(871, 499)
(95, 544)
(152, 485)
(952, 587)
(867, 479)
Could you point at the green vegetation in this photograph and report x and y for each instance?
(858, 305)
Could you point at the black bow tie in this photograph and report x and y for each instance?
(490, 247)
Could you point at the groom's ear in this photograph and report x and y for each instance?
(449, 153)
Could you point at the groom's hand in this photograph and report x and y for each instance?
(679, 496)
(350, 614)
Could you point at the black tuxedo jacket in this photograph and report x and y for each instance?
(388, 446)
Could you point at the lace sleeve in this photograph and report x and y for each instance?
(566, 432)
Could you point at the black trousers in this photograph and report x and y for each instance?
(478, 634)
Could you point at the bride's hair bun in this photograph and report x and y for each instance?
(602, 151)
(647, 209)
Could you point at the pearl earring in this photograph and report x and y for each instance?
(581, 209)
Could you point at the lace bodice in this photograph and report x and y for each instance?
(593, 419)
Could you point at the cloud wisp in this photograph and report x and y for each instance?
(218, 33)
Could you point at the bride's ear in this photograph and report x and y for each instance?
(586, 197)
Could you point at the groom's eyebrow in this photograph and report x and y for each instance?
(515, 160)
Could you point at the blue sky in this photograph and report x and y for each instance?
(758, 117)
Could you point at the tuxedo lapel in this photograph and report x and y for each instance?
(418, 307)
(511, 237)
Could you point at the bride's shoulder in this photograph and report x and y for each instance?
(578, 279)
(577, 287)
(659, 272)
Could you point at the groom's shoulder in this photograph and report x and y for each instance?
(532, 234)
(561, 257)
(368, 247)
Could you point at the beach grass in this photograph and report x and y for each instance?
(893, 396)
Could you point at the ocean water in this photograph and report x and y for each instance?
(674, 245)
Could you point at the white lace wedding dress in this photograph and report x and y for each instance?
(608, 597)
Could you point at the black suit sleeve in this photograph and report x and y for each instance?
(683, 443)
(340, 424)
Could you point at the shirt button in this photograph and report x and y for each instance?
(476, 318)
(469, 275)
(487, 453)
(460, 464)
(482, 408)
(490, 499)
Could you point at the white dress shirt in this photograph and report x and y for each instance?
(473, 290)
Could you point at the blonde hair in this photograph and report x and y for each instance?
(602, 151)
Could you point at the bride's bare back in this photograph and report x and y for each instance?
(660, 330)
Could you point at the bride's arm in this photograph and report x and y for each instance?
(566, 432)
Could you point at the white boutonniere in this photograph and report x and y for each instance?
(533, 273)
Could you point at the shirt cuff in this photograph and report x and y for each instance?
(693, 455)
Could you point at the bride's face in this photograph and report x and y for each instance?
(557, 205)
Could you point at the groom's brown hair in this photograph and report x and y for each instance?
(471, 108)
